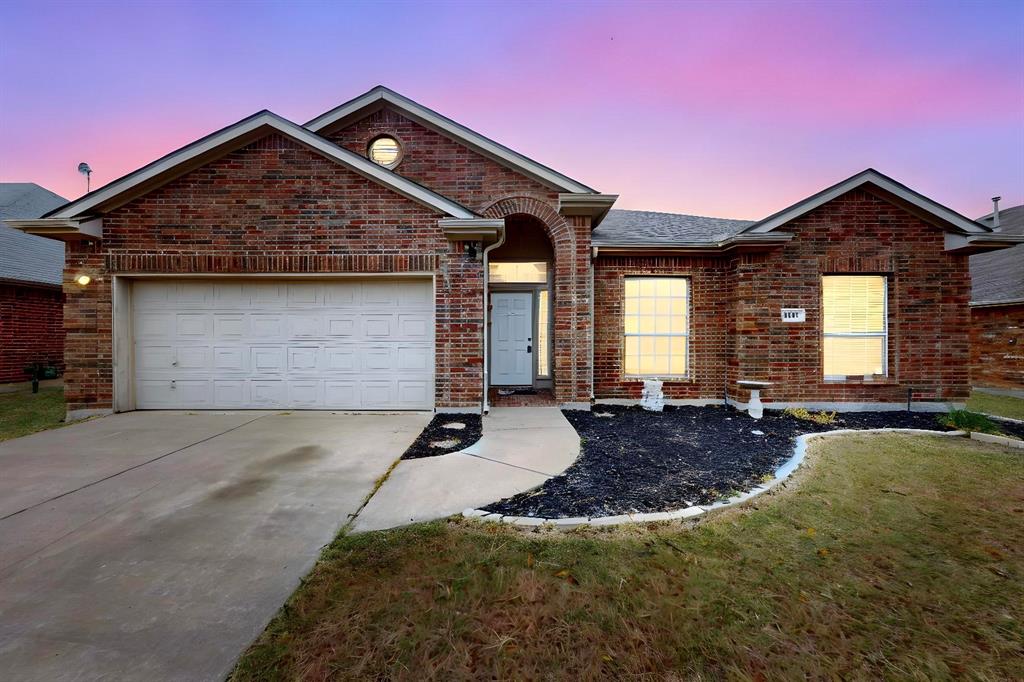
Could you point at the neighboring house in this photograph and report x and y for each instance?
(383, 256)
(31, 272)
(997, 310)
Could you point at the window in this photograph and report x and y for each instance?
(854, 326)
(385, 151)
(518, 273)
(543, 363)
(656, 326)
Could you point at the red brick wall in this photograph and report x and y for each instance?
(709, 324)
(440, 163)
(272, 206)
(997, 347)
(856, 233)
(31, 329)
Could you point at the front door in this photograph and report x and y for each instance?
(512, 339)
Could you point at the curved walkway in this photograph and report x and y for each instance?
(521, 448)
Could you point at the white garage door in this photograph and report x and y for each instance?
(342, 344)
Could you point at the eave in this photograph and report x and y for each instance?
(964, 244)
(741, 243)
(997, 304)
(61, 229)
(484, 230)
(594, 205)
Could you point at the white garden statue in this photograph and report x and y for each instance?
(652, 398)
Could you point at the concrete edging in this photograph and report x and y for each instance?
(998, 440)
(781, 474)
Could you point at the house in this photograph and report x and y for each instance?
(997, 310)
(383, 256)
(31, 300)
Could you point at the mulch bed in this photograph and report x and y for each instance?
(640, 461)
(436, 432)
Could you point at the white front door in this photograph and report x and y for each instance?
(512, 339)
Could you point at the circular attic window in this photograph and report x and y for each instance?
(386, 151)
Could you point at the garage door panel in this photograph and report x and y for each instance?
(230, 326)
(352, 344)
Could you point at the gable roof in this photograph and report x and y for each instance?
(25, 257)
(917, 203)
(622, 227)
(998, 277)
(380, 96)
(237, 135)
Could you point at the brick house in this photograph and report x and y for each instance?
(382, 256)
(997, 310)
(31, 300)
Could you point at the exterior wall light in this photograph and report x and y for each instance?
(83, 280)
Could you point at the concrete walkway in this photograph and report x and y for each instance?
(157, 545)
(521, 448)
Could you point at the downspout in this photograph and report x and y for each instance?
(593, 325)
(485, 407)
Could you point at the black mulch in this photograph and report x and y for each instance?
(640, 461)
(436, 432)
(1015, 429)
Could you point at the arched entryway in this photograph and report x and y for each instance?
(521, 285)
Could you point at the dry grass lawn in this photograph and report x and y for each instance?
(1001, 405)
(894, 556)
(25, 412)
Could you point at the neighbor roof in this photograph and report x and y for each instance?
(238, 134)
(622, 227)
(26, 257)
(998, 277)
(380, 95)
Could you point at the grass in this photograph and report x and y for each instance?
(1001, 405)
(888, 556)
(24, 413)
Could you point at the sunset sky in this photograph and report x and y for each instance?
(728, 109)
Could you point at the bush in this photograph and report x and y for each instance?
(817, 417)
(964, 420)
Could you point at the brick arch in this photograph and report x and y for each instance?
(558, 230)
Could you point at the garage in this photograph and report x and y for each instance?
(365, 344)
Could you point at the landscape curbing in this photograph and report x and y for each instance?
(781, 474)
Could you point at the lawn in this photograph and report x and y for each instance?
(886, 556)
(1001, 405)
(25, 413)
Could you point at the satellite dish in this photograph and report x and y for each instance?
(84, 169)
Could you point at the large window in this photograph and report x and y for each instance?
(656, 326)
(854, 326)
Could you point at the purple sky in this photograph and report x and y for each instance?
(728, 109)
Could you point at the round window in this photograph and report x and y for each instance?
(386, 151)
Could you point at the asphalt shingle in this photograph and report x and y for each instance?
(998, 276)
(26, 257)
(651, 227)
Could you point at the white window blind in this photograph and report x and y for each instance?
(854, 325)
(656, 325)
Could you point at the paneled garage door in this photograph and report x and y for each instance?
(341, 344)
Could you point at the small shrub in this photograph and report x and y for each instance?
(964, 420)
(817, 417)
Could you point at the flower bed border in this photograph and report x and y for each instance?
(781, 474)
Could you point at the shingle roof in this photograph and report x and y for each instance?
(644, 227)
(998, 276)
(26, 257)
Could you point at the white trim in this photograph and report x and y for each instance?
(61, 229)
(993, 304)
(432, 119)
(981, 243)
(864, 177)
(242, 130)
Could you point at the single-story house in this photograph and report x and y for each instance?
(997, 309)
(31, 272)
(383, 256)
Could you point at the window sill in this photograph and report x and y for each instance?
(860, 381)
(666, 379)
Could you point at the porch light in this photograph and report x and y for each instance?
(83, 280)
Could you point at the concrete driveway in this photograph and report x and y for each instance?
(157, 545)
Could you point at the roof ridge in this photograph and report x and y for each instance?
(688, 215)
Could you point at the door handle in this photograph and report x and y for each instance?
(529, 349)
